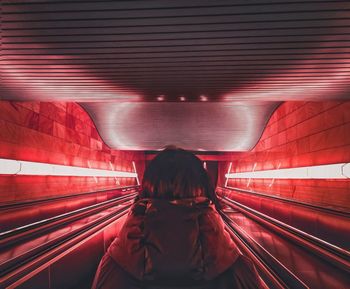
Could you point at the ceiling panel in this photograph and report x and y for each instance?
(138, 50)
(176, 51)
(209, 126)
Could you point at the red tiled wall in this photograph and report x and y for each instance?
(57, 133)
(299, 134)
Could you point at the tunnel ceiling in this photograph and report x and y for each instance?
(103, 54)
(234, 126)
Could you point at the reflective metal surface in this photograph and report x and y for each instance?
(176, 51)
(196, 50)
(214, 126)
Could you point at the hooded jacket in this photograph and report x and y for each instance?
(174, 244)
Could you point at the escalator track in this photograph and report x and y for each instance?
(284, 256)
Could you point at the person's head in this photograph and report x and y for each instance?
(176, 174)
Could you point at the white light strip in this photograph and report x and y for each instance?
(334, 171)
(15, 167)
(137, 178)
(228, 171)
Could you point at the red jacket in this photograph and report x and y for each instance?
(179, 244)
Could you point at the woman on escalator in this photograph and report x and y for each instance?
(173, 236)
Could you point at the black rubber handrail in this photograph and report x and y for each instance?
(15, 275)
(33, 251)
(275, 274)
(22, 233)
(329, 252)
(46, 200)
(327, 210)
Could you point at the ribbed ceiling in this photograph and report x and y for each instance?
(140, 50)
(239, 52)
(209, 126)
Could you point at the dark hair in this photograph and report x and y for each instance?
(176, 174)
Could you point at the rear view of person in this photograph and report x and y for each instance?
(173, 236)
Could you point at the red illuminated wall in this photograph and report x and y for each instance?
(57, 133)
(299, 134)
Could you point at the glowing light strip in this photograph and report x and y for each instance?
(16, 167)
(137, 178)
(334, 171)
(228, 171)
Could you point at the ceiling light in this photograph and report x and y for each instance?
(19, 167)
(203, 98)
(333, 171)
(161, 97)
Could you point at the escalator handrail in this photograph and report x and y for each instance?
(327, 210)
(327, 251)
(280, 276)
(46, 200)
(38, 249)
(24, 232)
(25, 270)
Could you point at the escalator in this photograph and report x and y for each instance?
(63, 251)
(35, 252)
(285, 256)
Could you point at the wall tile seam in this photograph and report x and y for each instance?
(52, 107)
(48, 116)
(41, 132)
(18, 124)
(21, 103)
(299, 138)
(286, 114)
(283, 158)
(323, 111)
(24, 108)
(290, 127)
(79, 131)
(296, 191)
(116, 161)
(334, 147)
(54, 118)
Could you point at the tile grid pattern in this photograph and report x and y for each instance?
(299, 134)
(58, 133)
